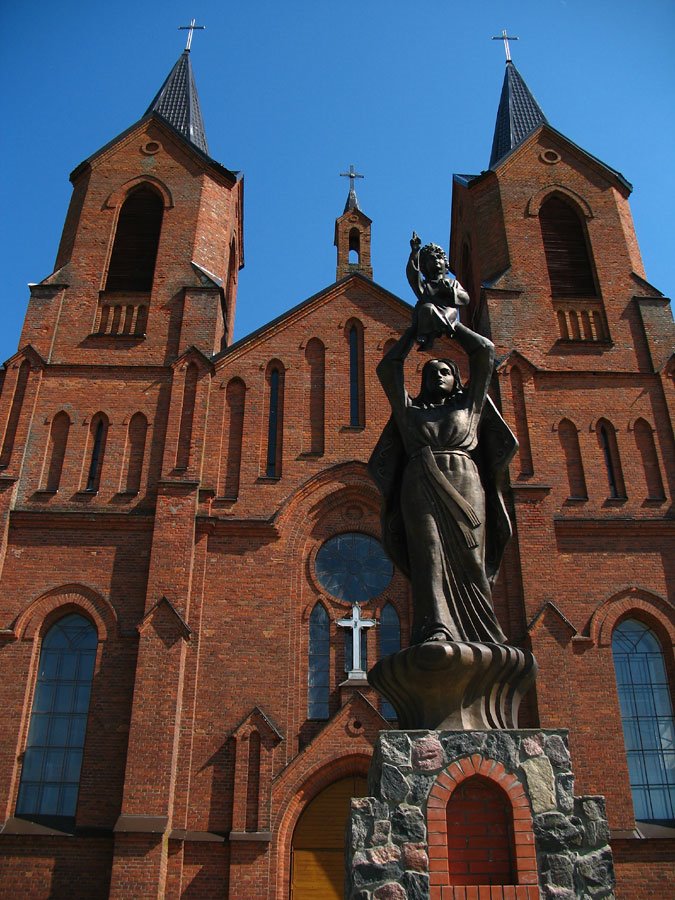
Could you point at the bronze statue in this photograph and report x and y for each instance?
(440, 463)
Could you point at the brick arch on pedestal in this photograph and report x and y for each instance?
(450, 787)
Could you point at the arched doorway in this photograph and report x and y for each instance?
(318, 847)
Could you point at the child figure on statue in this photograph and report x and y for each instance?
(438, 294)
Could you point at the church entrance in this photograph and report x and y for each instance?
(318, 851)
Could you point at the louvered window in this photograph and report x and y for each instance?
(132, 263)
(569, 264)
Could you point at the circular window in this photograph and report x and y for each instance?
(353, 567)
(550, 157)
(151, 147)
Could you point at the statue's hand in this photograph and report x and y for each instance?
(415, 243)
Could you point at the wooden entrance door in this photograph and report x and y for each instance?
(318, 854)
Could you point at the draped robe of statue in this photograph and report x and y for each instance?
(440, 468)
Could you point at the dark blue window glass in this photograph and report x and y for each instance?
(354, 378)
(353, 567)
(390, 642)
(318, 679)
(273, 426)
(647, 718)
(50, 776)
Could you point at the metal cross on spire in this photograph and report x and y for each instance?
(190, 29)
(352, 175)
(357, 624)
(504, 36)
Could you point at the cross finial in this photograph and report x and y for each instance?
(352, 175)
(190, 28)
(504, 36)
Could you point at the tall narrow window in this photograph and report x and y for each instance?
(315, 356)
(354, 246)
(610, 453)
(14, 413)
(356, 393)
(647, 718)
(58, 439)
(275, 422)
(235, 400)
(644, 439)
(50, 775)
(98, 433)
(569, 441)
(187, 417)
(132, 262)
(318, 680)
(390, 643)
(522, 429)
(567, 258)
(136, 435)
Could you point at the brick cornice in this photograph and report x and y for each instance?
(39, 520)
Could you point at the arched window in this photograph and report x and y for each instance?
(235, 401)
(647, 719)
(58, 439)
(50, 775)
(569, 441)
(275, 421)
(132, 262)
(390, 642)
(522, 428)
(318, 680)
(14, 413)
(610, 453)
(136, 435)
(187, 417)
(357, 405)
(569, 264)
(354, 246)
(98, 434)
(644, 439)
(481, 846)
(315, 356)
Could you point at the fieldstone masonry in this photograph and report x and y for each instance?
(393, 841)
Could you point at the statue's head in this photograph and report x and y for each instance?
(441, 381)
(433, 261)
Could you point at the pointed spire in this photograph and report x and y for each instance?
(352, 199)
(178, 103)
(517, 116)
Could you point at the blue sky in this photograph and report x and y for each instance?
(293, 92)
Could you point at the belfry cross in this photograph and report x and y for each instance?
(352, 175)
(504, 36)
(357, 624)
(190, 28)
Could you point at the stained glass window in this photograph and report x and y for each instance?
(390, 642)
(50, 776)
(353, 567)
(318, 676)
(647, 718)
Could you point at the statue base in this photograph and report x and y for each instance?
(457, 686)
(463, 814)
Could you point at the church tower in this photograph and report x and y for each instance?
(544, 242)
(352, 235)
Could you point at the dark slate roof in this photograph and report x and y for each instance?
(177, 102)
(517, 116)
(352, 200)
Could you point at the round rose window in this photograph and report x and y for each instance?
(353, 567)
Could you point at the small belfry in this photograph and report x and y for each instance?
(352, 234)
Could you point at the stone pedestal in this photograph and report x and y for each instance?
(398, 845)
(446, 685)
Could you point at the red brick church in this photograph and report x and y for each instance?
(188, 531)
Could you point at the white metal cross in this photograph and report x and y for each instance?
(352, 175)
(357, 624)
(190, 28)
(504, 36)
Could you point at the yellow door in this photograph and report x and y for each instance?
(318, 856)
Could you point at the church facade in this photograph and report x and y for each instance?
(188, 531)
